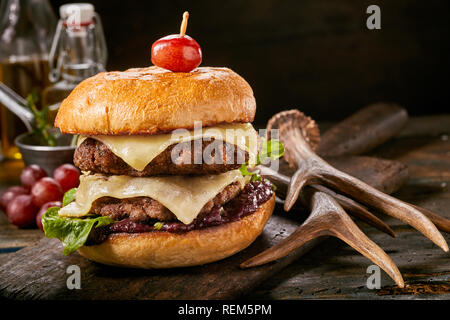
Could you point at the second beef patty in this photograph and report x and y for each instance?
(143, 209)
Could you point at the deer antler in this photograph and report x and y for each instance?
(311, 169)
(315, 177)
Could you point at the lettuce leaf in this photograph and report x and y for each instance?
(69, 196)
(72, 232)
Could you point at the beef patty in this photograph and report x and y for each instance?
(143, 209)
(94, 156)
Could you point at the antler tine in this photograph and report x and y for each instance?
(300, 178)
(328, 218)
(305, 169)
(357, 210)
(441, 223)
(350, 206)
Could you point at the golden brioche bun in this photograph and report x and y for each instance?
(154, 100)
(159, 249)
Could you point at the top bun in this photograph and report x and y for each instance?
(154, 100)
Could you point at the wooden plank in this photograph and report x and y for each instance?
(427, 157)
(364, 130)
(427, 126)
(13, 238)
(38, 271)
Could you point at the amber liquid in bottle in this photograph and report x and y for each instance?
(21, 75)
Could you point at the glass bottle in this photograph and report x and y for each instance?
(26, 32)
(78, 52)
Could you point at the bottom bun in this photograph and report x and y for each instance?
(158, 249)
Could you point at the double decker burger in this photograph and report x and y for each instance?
(164, 156)
(158, 191)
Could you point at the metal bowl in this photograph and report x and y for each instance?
(48, 158)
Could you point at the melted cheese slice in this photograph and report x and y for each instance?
(139, 151)
(185, 196)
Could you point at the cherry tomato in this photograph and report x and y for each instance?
(46, 190)
(22, 211)
(176, 53)
(43, 209)
(67, 175)
(9, 194)
(31, 174)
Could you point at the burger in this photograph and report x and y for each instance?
(164, 159)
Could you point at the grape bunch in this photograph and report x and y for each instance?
(24, 205)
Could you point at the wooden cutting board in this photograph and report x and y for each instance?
(39, 271)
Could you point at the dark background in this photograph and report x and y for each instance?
(315, 55)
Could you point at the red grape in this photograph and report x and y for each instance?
(67, 175)
(9, 194)
(43, 209)
(30, 175)
(46, 190)
(22, 211)
(176, 53)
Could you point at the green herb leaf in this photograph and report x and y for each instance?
(72, 232)
(69, 196)
(272, 149)
(244, 170)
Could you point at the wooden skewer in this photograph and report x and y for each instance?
(184, 24)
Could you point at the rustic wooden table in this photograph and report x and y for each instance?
(332, 269)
